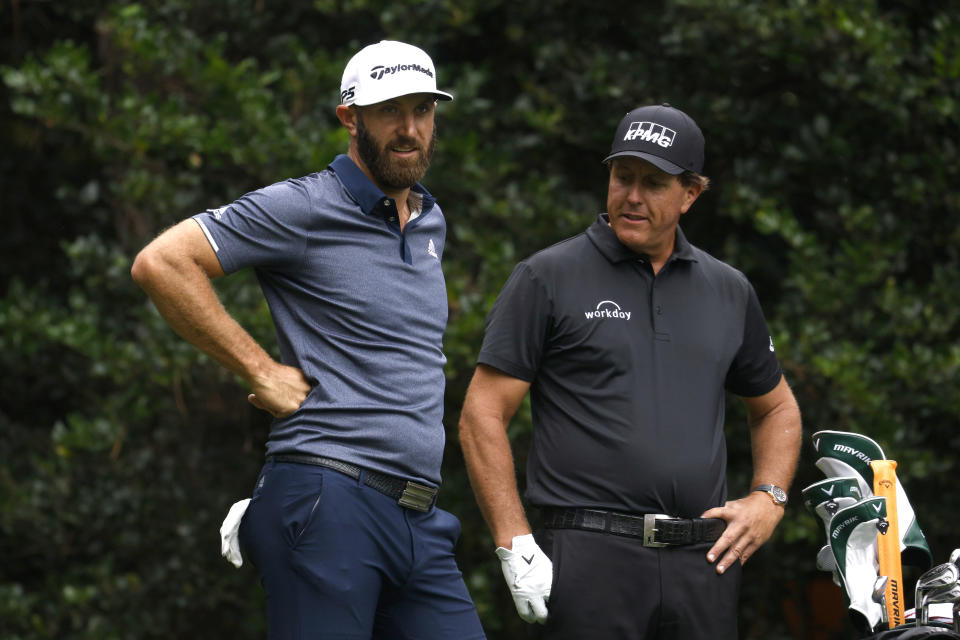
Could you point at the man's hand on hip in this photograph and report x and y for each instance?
(529, 574)
(281, 391)
(750, 523)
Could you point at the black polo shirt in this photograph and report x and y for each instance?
(628, 371)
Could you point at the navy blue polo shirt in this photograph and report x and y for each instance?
(359, 307)
(628, 371)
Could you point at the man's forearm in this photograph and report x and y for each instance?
(175, 270)
(776, 434)
(490, 466)
(185, 298)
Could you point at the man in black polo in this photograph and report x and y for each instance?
(627, 338)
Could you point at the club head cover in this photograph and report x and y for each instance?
(826, 497)
(847, 454)
(853, 540)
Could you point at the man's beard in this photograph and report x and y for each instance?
(386, 173)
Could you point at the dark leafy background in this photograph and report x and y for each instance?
(832, 134)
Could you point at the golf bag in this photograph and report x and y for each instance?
(910, 632)
(852, 518)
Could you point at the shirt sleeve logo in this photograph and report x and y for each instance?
(432, 249)
(217, 213)
(608, 309)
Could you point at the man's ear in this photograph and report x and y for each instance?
(693, 192)
(348, 118)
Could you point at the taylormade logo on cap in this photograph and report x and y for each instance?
(386, 70)
(377, 72)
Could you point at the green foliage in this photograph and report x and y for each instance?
(831, 132)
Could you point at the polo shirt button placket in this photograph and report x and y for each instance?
(657, 315)
(387, 204)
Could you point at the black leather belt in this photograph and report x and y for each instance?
(655, 529)
(407, 493)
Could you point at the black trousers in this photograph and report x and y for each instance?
(614, 588)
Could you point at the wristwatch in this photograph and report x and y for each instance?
(778, 495)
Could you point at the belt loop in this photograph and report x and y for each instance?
(697, 529)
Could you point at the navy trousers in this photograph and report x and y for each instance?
(340, 560)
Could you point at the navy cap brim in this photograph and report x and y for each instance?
(658, 162)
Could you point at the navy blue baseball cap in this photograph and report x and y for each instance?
(662, 135)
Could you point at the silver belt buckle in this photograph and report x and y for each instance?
(417, 496)
(650, 529)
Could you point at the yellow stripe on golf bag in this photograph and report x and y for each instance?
(888, 541)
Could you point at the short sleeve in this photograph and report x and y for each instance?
(517, 326)
(755, 369)
(264, 228)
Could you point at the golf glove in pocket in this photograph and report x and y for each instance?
(229, 530)
(529, 574)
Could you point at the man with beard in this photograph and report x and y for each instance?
(342, 524)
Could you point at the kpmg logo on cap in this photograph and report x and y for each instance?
(651, 132)
(379, 71)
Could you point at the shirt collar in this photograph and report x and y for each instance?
(606, 241)
(371, 199)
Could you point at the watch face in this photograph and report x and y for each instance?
(779, 495)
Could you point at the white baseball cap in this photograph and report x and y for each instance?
(386, 70)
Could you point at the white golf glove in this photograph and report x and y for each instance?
(229, 544)
(529, 574)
